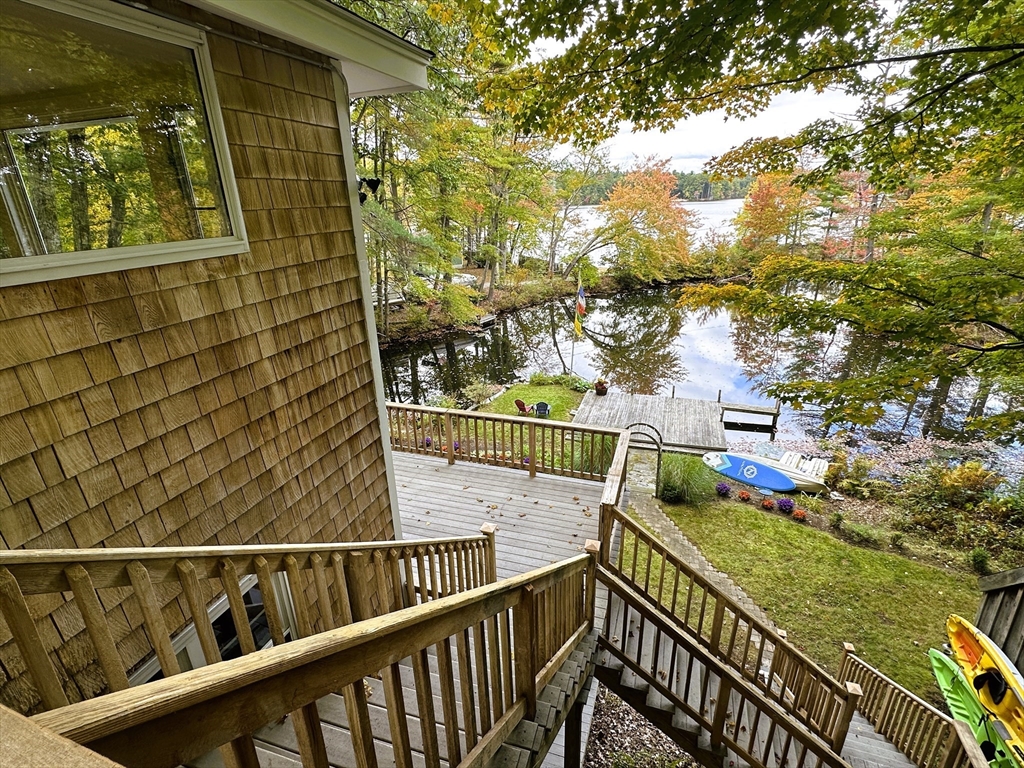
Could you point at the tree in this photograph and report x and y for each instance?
(645, 234)
(943, 295)
(938, 79)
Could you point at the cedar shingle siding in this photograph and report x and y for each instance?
(215, 402)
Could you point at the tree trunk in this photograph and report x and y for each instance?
(39, 180)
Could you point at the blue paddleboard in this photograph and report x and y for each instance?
(750, 472)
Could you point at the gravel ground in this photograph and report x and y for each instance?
(622, 738)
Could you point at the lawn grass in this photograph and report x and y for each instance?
(561, 399)
(824, 592)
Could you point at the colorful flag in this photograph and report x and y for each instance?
(581, 310)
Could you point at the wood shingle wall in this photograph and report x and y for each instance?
(221, 401)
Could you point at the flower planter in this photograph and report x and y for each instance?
(600, 389)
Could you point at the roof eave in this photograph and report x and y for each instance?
(374, 60)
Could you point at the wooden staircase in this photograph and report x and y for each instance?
(732, 691)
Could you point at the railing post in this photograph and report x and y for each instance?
(953, 750)
(531, 431)
(357, 571)
(848, 650)
(524, 625)
(488, 529)
(605, 526)
(449, 437)
(716, 624)
(853, 694)
(721, 711)
(592, 548)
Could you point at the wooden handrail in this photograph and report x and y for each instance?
(147, 587)
(928, 737)
(169, 721)
(719, 708)
(523, 443)
(750, 646)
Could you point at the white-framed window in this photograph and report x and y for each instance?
(112, 148)
(186, 644)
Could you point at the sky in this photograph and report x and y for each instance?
(693, 142)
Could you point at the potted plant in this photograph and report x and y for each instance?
(600, 387)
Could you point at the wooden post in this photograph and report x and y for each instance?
(853, 694)
(532, 438)
(524, 627)
(26, 636)
(592, 548)
(965, 736)
(605, 526)
(848, 650)
(721, 710)
(488, 529)
(574, 735)
(449, 437)
(716, 624)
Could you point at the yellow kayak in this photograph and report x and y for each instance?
(996, 681)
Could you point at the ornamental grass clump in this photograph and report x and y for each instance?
(786, 506)
(685, 480)
(723, 490)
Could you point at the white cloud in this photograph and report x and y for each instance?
(694, 141)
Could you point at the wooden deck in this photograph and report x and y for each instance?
(692, 426)
(540, 520)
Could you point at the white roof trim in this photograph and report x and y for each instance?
(374, 60)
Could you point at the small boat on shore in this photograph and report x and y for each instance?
(807, 473)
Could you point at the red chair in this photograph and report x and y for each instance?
(524, 409)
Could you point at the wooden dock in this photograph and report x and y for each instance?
(689, 426)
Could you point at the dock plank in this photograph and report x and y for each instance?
(685, 425)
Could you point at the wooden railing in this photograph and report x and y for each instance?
(510, 636)
(116, 591)
(749, 646)
(728, 706)
(529, 444)
(928, 737)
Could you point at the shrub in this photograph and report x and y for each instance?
(575, 383)
(896, 540)
(835, 521)
(767, 504)
(743, 496)
(479, 391)
(800, 515)
(862, 534)
(455, 304)
(978, 560)
(813, 504)
(685, 480)
(786, 506)
(723, 489)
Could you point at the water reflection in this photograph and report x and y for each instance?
(643, 344)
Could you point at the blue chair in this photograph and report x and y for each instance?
(543, 410)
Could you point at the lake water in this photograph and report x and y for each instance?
(642, 343)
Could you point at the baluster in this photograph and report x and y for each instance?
(306, 720)
(391, 676)
(26, 636)
(240, 752)
(524, 626)
(355, 694)
(239, 614)
(159, 637)
(421, 666)
(446, 675)
(97, 626)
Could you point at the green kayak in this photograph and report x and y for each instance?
(964, 706)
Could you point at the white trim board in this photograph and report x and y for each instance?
(376, 61)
